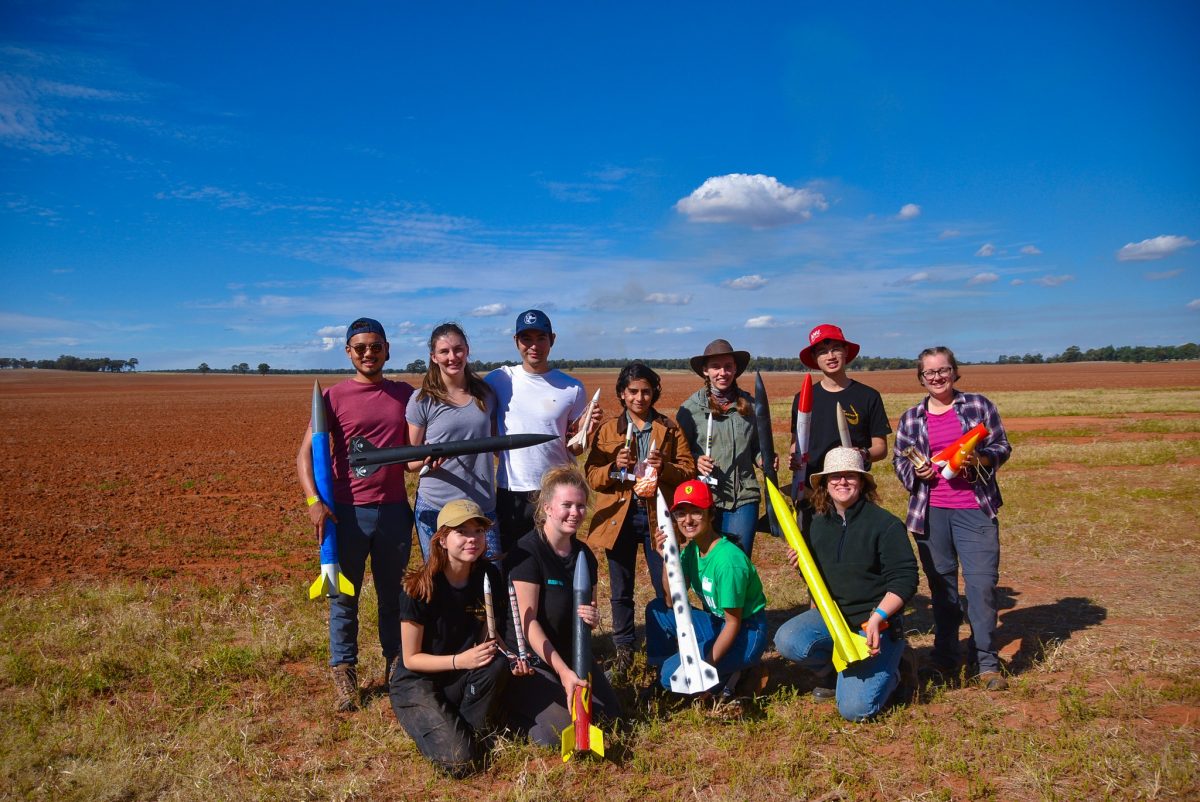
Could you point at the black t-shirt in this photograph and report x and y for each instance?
(864, 415)
(454, 620)
(533, 561)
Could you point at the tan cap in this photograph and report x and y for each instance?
(459, 511)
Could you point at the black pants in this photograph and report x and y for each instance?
(622, 565)
(445, 720)
(514, 515)
(538, 704)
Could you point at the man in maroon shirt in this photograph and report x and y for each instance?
(372, 513)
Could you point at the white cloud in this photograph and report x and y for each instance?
(1194, 305)
(751, 282)
(909, 211)
(331, 331)
(329, 343)
(1054, 281)
(950, 233)
(1164, 275)
(677, 330)
(919, 276)
(1017, 282)
(1153, 248)
(631, 330)
(982, 278)
(753, 200)
(489, 310)
(1031, 250)
(669, 298)
(987, 249)
(761, 322)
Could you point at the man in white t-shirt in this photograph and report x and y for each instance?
(532, 398)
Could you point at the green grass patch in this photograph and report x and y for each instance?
(1162, 426)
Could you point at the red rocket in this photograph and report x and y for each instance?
(952, 457)
(582, 735)
(803, 420)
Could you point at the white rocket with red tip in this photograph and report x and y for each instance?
(803, 421)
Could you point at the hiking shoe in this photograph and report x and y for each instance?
(992, 681)
(822, 694)
(622, 661)
(345, 687)
(824, 685)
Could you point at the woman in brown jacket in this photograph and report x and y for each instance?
(633, 455)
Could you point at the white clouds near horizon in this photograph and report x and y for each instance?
(751, 282)
(909, 211)
(987, 249)
(982, 278)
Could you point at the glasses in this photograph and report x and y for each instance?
(694, 512)
(843, 478)
(936, 374)
(362, 348)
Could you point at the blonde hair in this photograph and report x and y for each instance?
(554, 478)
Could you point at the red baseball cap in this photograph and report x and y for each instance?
(826, 331)
(692, 492)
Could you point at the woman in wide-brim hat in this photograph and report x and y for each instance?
(863, 554)
(725, 453)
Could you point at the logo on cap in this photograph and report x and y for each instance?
(689, 490)
(531, 318)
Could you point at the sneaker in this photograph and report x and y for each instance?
(992, 681)
(824, 685)
(345, 686)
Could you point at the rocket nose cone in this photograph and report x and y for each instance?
(583, 579)
(318, 409)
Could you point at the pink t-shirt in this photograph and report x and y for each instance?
(376, 412)
(957, 494)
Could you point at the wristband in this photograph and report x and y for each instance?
(881, 613)
(453, 667)
(311, 500)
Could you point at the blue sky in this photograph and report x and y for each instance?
(232, 183)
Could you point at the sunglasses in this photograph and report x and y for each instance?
(362, 348)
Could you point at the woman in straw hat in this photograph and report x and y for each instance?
(718, 422)
(864, 556)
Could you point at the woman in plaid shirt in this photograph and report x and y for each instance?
(954, 521)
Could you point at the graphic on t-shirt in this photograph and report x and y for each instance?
(851, 415)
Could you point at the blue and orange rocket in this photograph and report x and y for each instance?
(331, 581)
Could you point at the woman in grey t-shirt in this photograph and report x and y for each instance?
(453, 404)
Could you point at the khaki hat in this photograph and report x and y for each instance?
(720, 348)
(459, 511)
(840, 460)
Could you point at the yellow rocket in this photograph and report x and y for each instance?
(848, 646)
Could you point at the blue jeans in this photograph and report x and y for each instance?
(747, 649)
(622, 562)
(739, 522)
(864, 687)
(427, 514)
(971, 538)
(384, 533)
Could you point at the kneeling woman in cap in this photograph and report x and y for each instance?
(863, 553)
(718, 422)
(731, 630)
(446, 686)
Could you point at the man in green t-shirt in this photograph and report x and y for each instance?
(731, 630)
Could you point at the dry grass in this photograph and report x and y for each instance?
(169, 690)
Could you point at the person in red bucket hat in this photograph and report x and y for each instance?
(830, 352)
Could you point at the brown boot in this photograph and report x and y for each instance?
(345, 686)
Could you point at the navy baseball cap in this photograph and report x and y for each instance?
(365, 325)
(533, 319)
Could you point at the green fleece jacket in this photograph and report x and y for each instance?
(862, 558)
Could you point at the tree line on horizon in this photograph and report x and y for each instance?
(767, 364)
